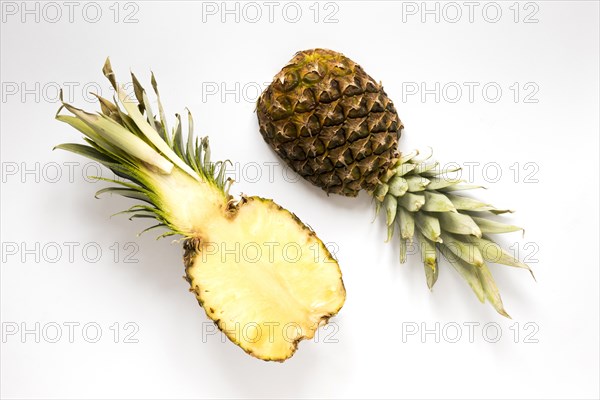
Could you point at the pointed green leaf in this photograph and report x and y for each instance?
(135, 216)
(136, 208)
(493, 253)
(124, 183)
(390, 204)
(491, 290)
(459, 223)
(166, 234)
(397, 186)
(438, 183)
(467, 271)
(404, 169)
(412, 202)
(489, 226)
(149, 113)
(129, 124)
(424, 167)
(497, 212)
(178, 138)
(422, 157)
(151, 134)
(90, 133)
(152, 227)
(191, 150)
(406, 223)
(428, 251)
(108, 108)
(120, 137)
(402, 251)
(161, 111)
(380, 191)
(200, 155)
(86, 151)
(431, 275)
(220, 178)
(441, 171)
(390, 232)
(429, 259)
(108, 72)
(467, 203)
(405, 157)
(437, 202)
(131, 193)
(466, 251)
(138, 91)
(206, 159)
(79, 125)
(377, 209)
(416, 183)
(429, 226)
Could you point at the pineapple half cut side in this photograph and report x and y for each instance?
(261, 275)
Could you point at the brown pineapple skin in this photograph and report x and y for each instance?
(331, 122)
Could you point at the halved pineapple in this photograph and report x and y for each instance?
(260, 274)
(265, 279)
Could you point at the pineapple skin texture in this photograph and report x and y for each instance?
(331, 122)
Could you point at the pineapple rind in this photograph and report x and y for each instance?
(457, 226)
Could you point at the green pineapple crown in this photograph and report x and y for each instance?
(420, 200)
(138, 147)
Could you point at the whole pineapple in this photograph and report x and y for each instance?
(334, 125)
(331, 122)
(265, 298)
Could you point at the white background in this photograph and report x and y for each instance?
(366, 354)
